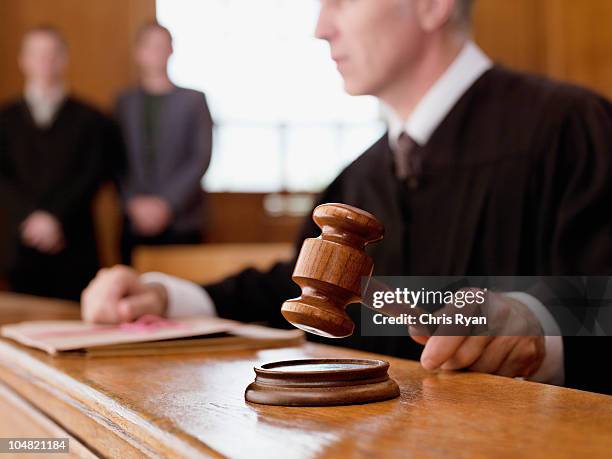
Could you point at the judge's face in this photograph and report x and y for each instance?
(153, 50)
(43, 58)
(373, 42)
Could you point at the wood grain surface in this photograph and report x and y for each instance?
(208, 263)
(25, 421)
(193, 406)
(15, 307)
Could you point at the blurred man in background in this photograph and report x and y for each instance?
(51, 163)
(167, 131)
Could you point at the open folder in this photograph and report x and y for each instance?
(149, 335)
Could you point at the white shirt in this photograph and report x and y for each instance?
(186, 298)
(469, 65)
(44, 106)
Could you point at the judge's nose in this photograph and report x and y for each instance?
(325, 29)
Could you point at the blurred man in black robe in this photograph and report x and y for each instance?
(51, 163)
(483, 171)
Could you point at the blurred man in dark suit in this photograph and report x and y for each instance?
(483, 171)
(51, 163)
(168, 136)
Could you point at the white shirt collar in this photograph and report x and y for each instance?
(44, 106)
(431, 110)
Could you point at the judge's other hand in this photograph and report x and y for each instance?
(150, 215)
(43, 232)
(514, 348)
(117, 295)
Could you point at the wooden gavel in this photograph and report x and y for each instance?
(329, 271)
(330, 268)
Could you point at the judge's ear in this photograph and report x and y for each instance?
(434, 14)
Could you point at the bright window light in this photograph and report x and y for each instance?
(283, 121)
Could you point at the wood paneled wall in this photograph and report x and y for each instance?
(241, 217)
(563, 39)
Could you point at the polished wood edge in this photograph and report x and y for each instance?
(76, 447)
(510, 382)
(102, 436)
(141, 430)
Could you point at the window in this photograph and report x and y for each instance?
(283, 121)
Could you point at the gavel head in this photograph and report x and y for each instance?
(329, 270)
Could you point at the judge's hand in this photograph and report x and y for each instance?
(117, 295)
(150, 215)
(43, 232)
(516, 348)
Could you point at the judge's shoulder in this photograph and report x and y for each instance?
(522, 92)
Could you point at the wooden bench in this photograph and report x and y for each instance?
(209, 262)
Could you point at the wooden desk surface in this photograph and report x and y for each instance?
(19, 308)
(193, 405)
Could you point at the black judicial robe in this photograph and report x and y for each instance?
(517, 180)
(56, 169)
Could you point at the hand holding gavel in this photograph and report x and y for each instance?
(331, 268)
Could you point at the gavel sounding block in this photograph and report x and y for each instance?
(329, 271)
(322, 382)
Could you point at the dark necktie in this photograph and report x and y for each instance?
(407, 161)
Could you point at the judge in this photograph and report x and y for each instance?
(483, 171)
(51, 162)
